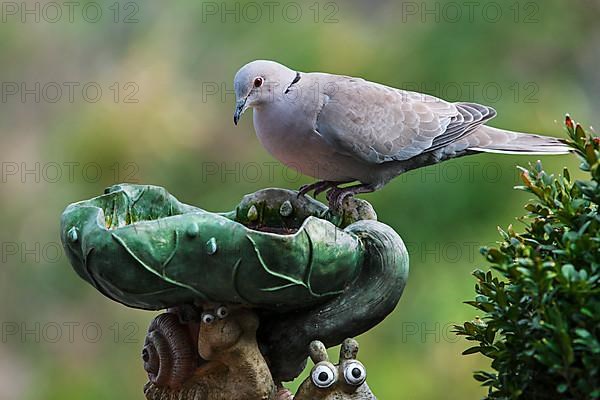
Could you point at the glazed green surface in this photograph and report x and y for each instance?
(141, 247)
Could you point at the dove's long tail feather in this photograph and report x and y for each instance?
(494, 140)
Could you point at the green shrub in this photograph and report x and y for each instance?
(540, 301)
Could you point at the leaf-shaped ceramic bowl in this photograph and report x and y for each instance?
(140, 246)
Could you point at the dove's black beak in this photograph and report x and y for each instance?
(240, 107)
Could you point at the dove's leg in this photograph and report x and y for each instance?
(318, 187)
(336, 195)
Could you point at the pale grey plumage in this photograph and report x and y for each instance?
(342, 129)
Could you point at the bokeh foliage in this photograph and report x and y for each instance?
(541, 321)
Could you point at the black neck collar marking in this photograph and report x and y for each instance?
(296, 79)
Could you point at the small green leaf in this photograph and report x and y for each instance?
(562, 388)
(472, 350)
(569, 272)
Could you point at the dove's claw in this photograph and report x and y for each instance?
(317, 187)
(326, 185)
(305, 189)
(336, 195)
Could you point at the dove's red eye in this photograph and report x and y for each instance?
(258, 82)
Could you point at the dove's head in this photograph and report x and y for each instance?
(259, 83)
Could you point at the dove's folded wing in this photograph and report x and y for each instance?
(375, 123)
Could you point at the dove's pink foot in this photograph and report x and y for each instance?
(318, 187)
(337, 195)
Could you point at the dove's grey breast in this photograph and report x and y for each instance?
(286, 127)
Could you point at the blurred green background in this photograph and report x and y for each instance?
(95, 93)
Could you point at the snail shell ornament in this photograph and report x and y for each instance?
(169, 354)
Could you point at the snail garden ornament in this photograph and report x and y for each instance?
(345, 381)
(226, 362)
(249, 294)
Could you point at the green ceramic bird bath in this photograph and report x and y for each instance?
(306, 273)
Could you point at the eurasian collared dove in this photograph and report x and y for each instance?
(341, 129)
